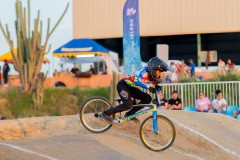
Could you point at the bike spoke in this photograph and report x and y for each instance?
(160, 140)
(88, 118)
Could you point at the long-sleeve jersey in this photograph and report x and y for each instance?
(140, 78)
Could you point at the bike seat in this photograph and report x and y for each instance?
(118, 99)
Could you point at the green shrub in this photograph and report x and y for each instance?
(216, 78)
(17, 102)
(57, 101)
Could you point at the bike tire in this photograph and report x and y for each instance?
(146, 134)
(87, 112)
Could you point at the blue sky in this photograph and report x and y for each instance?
(48, 9)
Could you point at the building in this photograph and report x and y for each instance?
(172, 22)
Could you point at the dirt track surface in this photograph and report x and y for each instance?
(199, 136)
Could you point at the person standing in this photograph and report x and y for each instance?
(6, 69)
(74, 69)
(192, 67)
(92, 69)
(230, 66)
(221, 67)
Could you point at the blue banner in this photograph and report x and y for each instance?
(131, 37)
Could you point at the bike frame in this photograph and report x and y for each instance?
(152, 108)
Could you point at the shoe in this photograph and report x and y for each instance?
(107, 118)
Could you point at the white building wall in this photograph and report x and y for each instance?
(103, 18)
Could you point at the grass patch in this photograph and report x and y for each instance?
(57, 101)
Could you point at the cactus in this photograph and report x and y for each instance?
(30, 49)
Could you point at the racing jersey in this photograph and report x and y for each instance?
(140, 78)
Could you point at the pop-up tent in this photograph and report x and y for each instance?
(81, 47)
(8, 57)
(86, 47)
(101, 63)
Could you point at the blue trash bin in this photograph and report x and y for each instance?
(189, 108)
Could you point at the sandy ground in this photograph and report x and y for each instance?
(199, 136)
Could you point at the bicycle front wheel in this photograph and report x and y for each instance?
(89, 114)
(160, 140)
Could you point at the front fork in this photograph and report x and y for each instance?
(155, 123)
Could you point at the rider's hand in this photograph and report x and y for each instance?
(151, 88)
(151, 85)
(158, 88)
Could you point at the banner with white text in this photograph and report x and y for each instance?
(131, 37)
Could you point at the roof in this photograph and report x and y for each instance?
(81, 47)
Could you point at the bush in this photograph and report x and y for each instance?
(217, 77)
(18, 104)
(57, 101)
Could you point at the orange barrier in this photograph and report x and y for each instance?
(90, 82)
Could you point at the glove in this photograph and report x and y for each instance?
(151, 88)
(158, 88)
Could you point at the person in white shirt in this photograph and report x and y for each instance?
(221, 66)
(219, 104)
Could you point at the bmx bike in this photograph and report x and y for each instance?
(156, 132)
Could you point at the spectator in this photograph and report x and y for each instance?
(67, 70)
(74, 69)
(55, 73)
(200, 77)
(174, 70)
(221, 66)
(203, 104)
(219, 104)
(175, 103)
(230, 65)
(92, 69)
(163, 102)
(172, 67)
(6, 69)
(192, 67)
(235, 113)
(168, 79)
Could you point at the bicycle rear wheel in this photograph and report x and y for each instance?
(90, 114)
(161, 140)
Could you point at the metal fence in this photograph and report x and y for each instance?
(189, 92)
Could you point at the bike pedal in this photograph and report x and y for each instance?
(116, 121)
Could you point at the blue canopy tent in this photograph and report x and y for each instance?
(81, 47)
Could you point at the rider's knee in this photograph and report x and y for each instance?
(128, 106)
(148, 99)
